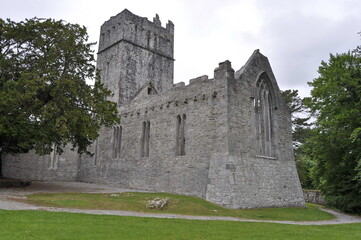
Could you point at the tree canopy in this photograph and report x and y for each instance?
(44, 98)
(299, 116)
(335, 145)
(301, 132)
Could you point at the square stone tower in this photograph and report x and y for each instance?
(133, 53)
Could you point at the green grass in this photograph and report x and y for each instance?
(178, 204)
(55, 225)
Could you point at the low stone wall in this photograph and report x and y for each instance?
(313, 196)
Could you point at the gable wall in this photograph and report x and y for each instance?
(245, 178)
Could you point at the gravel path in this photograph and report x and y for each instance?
(17, 193)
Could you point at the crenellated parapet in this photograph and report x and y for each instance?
(200, 90)
(139, 31)
(162, 103)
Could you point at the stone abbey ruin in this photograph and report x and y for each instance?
(226, 139)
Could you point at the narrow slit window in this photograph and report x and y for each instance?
(54, 158)
(145, 139)
(180, 139)
(107, 69)
(117, 141)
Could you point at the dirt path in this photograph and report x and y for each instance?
(37, 187)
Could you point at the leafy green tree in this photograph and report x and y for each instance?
(301, 131)
(299, 117)
(44, 98)
(336, 142)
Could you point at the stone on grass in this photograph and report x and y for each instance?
(157, 203)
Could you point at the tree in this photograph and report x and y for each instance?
(45, 102)
(300, 125)
(301, 131)
(335, 102)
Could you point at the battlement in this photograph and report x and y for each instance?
(138, 31)
(223, 71)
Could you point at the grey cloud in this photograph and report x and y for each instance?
(298, 42)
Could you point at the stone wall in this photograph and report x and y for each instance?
(313, 196)
(203, 103)
(237, 182)
(51, 167)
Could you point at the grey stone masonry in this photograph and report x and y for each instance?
(226, 139)
(133, 52)
(313, 196)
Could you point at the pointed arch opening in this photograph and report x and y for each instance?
(264, 105)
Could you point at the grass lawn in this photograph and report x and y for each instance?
(55, 225)
(178, 204)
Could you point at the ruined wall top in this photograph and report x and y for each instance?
(224, 70)
(139, 31)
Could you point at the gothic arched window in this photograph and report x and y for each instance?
(264, 105)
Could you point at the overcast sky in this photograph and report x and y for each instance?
(295, 35)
